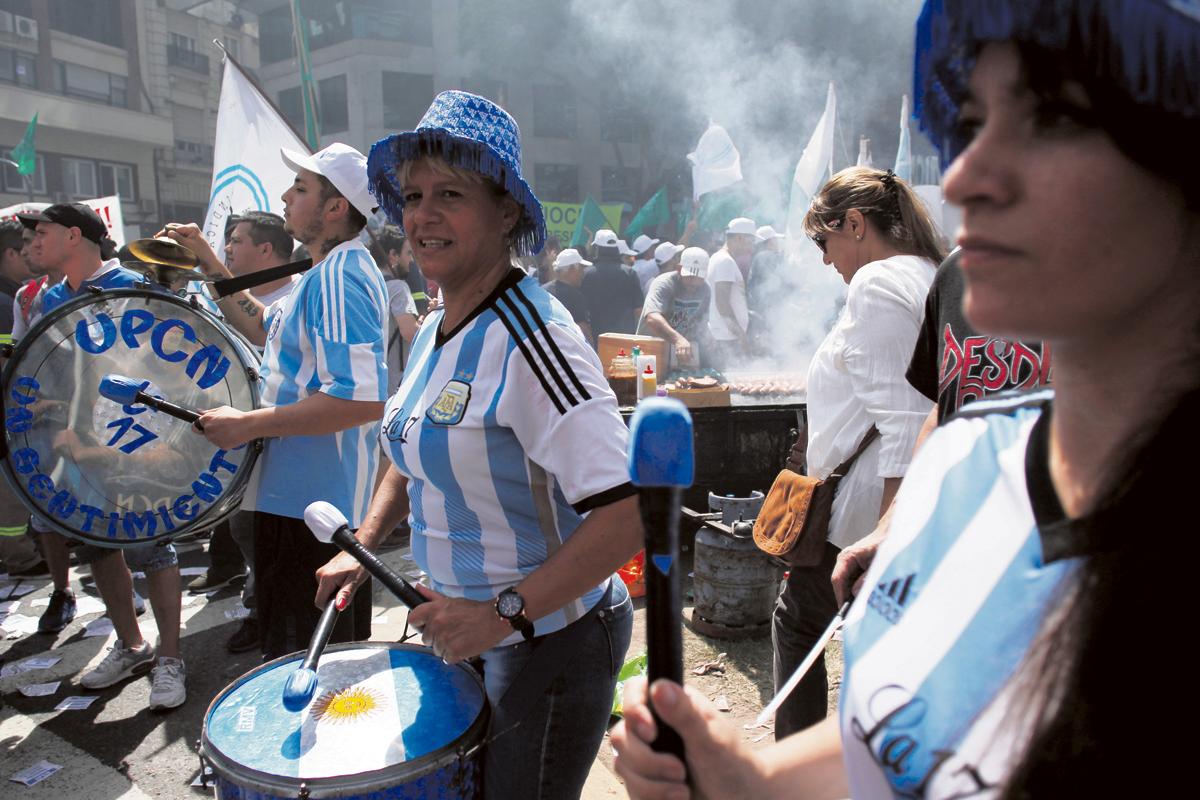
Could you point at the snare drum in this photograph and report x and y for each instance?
(118, 475)
(388, 721)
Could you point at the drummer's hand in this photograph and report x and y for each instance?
(191, 237)
(226, 427)
(719, 764)
(456, 628)
(341, 576)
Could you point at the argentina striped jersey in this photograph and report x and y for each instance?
(508, 433)
(950, 607)
(326, 336)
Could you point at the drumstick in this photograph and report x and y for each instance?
(330, 525)
(661, 465)
(127, 391)
(302, 683)
(816, 652)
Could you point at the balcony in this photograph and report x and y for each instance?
(187, 59)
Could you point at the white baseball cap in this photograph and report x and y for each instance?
(644, 243)
(766, 233)
(741, 226)
(624, 249)
(569, 258)
(343, 166)
(694, 262)
(666, 251)
(605, 238)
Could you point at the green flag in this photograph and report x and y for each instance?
(655, 212)
(23, 153)
(308, 87)
(591, 219)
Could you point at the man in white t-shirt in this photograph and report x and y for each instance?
(729, 318)
(395, 258)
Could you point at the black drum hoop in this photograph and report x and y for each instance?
(206, 519)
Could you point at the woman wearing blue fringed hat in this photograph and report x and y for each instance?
(502, 436)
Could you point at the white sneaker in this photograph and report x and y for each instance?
(120, 663)
(166, 683)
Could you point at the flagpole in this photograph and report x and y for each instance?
(263, 92)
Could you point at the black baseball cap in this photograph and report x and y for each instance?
(69, 215)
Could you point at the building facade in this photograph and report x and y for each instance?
(126, 94)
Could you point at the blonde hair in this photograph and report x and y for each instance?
(887, 201)
(440, 166)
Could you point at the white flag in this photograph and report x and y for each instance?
(813, 167)
(903, 168)
(864, 152)
(716, 163)
(248, 172)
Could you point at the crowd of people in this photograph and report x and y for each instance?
(985, 526)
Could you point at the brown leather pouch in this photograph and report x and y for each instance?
(793, 524)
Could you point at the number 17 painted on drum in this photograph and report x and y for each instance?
(123, 426)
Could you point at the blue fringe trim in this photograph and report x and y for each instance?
(388, 153)
(1149, 49)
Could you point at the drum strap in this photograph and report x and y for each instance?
(548, 660)
(228, 286)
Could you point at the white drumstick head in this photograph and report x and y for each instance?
(323, 519)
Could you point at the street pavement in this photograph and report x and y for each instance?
(117, 747)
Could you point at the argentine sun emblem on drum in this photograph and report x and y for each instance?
(507, 453)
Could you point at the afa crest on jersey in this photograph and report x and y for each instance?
(451, 404)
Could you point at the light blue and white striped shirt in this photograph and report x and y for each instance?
(508, 433)
(327, 335)
(974, 559)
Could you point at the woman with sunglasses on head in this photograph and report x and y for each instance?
(1034, 528)
(874, 230)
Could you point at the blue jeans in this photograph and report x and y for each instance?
(548, 754)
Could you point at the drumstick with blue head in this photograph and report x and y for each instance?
(301, 685)
(662, 465)
(127, 391)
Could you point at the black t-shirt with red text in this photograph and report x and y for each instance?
(953, 365)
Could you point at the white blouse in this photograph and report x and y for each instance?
(856, 379)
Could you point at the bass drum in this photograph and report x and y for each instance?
(124, 475)
(388, 722)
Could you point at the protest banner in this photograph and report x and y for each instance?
(561, 218)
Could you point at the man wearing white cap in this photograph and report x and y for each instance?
(612, 291)
(729, 318)
(568, 275)
(677, 307)
(323, 384)
(768, 287)
(645, 267)
(666, 259)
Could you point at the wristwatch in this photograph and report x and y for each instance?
(511, 608)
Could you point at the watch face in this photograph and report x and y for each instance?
(510, 604)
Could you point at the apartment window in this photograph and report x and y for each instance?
(97, 20)
(333, 105)
(15, 182)
(181, 42)
(85, 83)
(406, 96)
(18, 67)
(22, 7)
(618, 185)
(619, 124)
(394, 20)
(117, 179)
(79, 178)
(275, 35)
(292, 106)
(557, 182)
(554, 111)
(233, 46)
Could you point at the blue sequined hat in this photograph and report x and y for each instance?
(469, 132)
(1149, 50)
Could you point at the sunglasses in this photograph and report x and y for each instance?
(819, 239)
